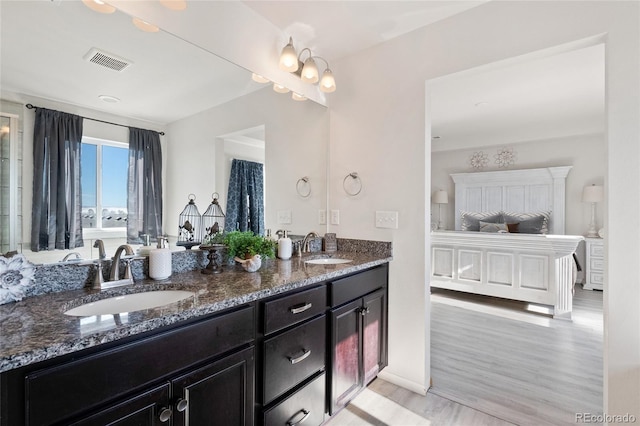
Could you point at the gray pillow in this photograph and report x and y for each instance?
(493, 227)
(529, 223)
(471, 220)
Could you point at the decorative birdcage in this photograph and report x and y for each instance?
(213, 218)
(190, 225)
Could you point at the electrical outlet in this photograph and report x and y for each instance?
(335, 217)
(284, 217)
(322, 217)
(386, 219)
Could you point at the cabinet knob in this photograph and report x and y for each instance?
(306, 414)
(365, 311)
(165, 414)
(181, 405)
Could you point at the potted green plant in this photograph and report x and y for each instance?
(246, 244)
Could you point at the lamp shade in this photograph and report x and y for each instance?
(309, 71)
(440, 197)
(289, 58)
(328, 82)
(279, 88)
(593, 194)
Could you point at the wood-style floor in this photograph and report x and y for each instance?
(495, 362)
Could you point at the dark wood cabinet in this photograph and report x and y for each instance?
(358, 338)
(148, 408)
(147, 381)
(294, 353)
(288, 359)
(222, 391)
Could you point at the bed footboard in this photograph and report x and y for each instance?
(529, 268)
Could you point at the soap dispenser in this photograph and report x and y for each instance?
(146, 245)
(284, 246)
(160, 260)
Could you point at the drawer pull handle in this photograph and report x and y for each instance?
(165, 415)
(300, 309)
(305, 416)
(305, 354)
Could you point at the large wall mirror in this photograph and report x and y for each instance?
(210, 110)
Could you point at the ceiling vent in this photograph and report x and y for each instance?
(107, 60)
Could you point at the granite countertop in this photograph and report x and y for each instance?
(36, 329)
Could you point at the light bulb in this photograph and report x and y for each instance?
(328, 83)
(289, 58)
(258, 78)
(280, 88)
(174, 4)
(309, 71)
(297, 97)
(145, 26)
(99, 6)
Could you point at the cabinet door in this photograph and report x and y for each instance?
(346, 377)
(374, 340)
(221, 393)
(150, 408)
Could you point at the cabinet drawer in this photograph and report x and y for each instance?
(597, 250)
(56, 393)
(596, 278)
(305, 407)
(288, 310)
(350, 288)
(293, 356)
(596, 264)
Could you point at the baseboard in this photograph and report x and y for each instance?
(402, 382)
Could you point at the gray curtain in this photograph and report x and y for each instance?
(144, 185)
(56, 221)
(245, 197)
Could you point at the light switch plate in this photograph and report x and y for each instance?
(284, 217)
(335, 217)
(386, 219)
(322, 217)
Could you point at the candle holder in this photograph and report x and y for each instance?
(215, 252)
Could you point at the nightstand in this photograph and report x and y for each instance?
(594, 272)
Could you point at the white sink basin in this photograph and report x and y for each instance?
(129, 303)
(328, 261)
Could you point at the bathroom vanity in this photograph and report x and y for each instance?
(289, 344)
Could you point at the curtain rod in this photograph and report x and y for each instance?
(29, 106)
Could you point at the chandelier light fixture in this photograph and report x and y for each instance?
(308, 70)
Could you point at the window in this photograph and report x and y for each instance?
(104, 166)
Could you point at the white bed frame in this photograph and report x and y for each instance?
(530, 268)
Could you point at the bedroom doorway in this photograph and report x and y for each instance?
(512, 359)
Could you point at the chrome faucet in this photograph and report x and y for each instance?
(305, 242)
(100, 246)
(76, 257)
(115, 264)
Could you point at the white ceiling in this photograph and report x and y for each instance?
(335, 29)
(43, 42)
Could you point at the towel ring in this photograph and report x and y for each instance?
(303, 187)
(356, 182)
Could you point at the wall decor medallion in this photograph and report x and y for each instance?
(16, 275)
(479, 160)
(505, 157)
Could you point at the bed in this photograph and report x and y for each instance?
(509, 238)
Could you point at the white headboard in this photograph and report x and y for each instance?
(522, 191)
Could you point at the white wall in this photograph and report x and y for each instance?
(296, 135)
(378, 129)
